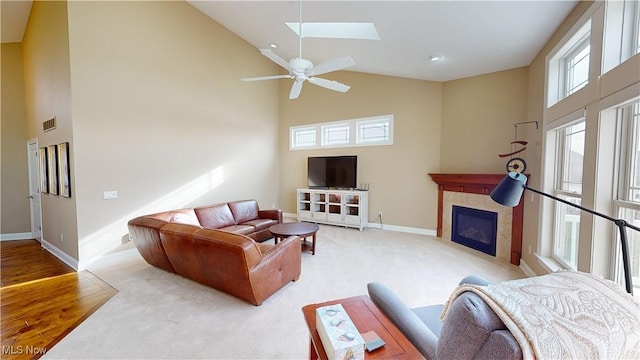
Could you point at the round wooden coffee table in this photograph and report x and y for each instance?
(301, 229)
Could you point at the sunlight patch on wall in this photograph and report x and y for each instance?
(110, 236)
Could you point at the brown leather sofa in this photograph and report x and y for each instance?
(227, 258)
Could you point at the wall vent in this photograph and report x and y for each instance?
(49, 124)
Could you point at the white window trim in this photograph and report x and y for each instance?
(354, 136)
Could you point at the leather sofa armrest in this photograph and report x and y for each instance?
(404, 318)
(282, 246)
(280, 265)
(273, 214)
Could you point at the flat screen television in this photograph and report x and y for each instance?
(338, 172)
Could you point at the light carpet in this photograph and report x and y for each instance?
(157, 314)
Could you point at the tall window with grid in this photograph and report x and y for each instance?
(627, 202)
(568, 186)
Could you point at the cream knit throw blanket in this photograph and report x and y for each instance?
(565, 315)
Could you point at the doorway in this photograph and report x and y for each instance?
(35, 206)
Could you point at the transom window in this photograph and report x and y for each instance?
(621, 32)
(370, 131)
(576, 70)
(304, 137)
(374, 131)
(336, 134)
(568, 67)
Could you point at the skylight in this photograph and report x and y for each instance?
(336, 30)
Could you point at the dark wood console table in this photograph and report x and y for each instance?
(366, 317)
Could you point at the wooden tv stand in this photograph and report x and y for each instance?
(334, 207)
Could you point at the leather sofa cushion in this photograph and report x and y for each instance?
(239, 229)
(215, 216)
(261, 224)
(186, 217)
(244, 210)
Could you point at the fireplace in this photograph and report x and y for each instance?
(472, 191)
(475, 228)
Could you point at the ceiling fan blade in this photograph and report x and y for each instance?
(271, 77)
(296, 88)
(329, 84)
(331, 65)
(277, 59)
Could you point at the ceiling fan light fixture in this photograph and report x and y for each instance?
(335, 30)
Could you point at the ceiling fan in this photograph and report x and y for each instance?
(302, 70)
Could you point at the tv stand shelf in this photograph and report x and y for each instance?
(334, 207)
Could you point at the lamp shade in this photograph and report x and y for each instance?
(509, 191)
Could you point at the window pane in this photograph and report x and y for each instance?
(567, 231)
(303, 137)
(634, 152)
(335, 134)
(373, 131)
(633, 240)
(573, 154)
(577, 72)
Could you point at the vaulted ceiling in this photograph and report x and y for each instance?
(472, 37)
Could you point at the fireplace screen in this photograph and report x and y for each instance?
(475, 228)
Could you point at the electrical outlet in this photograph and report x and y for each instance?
(529, 249)
(61, 237)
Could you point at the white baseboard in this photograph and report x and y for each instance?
(290, 215)
(405, 229)
(527, 269)
(16, 236)
(73, 263)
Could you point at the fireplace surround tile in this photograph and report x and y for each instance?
(481, 202)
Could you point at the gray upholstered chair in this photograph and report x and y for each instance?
(471, 330)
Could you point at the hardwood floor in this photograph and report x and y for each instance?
(42, 299)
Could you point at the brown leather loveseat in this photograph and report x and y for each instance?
(216, 246)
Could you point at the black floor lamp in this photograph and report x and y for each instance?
(510, 189)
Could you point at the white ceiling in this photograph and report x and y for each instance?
(474, 37)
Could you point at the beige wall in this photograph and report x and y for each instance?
(161, 116)
(399, 186)
(439, 127)
(478, 117)
(48, 95)
(148, 94)
(15, 181)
